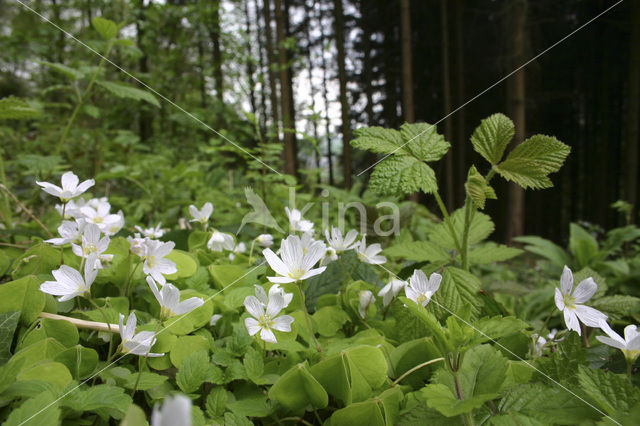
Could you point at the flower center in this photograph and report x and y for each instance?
(151, 261)
(421, 298)
(90, 249)
(569, 301)
(296, 274)
(265, 321)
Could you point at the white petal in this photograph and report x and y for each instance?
(188, 305)
(252, 326)
(566, 280)
(253, 306)
(68, 276)
(282, 323)
(268, 336)
(170, 296)
(50, 188)
(312, 273)
(193, 211)
(434, 282)
(585, 290)
(56, 288)
(419, 281)
(154, 289)
(275, 263)
(589, 316)
(611, 342)
(69, 181)
(275, 305)
(571, 320)
(314, 254)
(630, 332)
(281, 280)
(84, 186)
(559, 299)
(411, 293)
(350, 238)
(261, 294)
(130, 328)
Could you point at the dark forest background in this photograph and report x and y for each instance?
(308, 72)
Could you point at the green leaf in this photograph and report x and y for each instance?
(458, 290)
(330, 320)
(71, 73)
(254, 366)
(39, 259)
(491, 252)
(297, 388)
(481, 227)
(412, 353)
(404, 175)
(492, 136)
(185, 346)
(185, 263)
(42, 410)
(51, 372)
(22, 295)
(134, 416)
(423, 141)
(478, 189)
(234, 276)
(545, 248)
(612, 393)
(419, 251)
(381, 410)
(8, 324)
(105, 27)
(12, 108)
(583, 245)
(216, 401)
(80, 361)
(441, 398)
(619, 305)
(63, 331)
(43, 349)
(530, 163)
(193, 371)
(378, 140)
(147, 380)
(125, 91)
(106, 400)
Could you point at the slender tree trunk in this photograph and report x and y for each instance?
(308, 9)
(145, 119)
(290, 165)
(631, 148)
(272, 61)
(261, 63)
(446, 89)
(407, 62)
(249, 60)
(325, 98)
(214, 34)
(461, 137)
(344, 105)
(516, 98)
(368, 71)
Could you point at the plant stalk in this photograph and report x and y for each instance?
(447, 220)
(308, 318)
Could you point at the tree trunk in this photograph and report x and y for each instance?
(516, 86)
(344, 105)
(325, 99)
(460, 147)
(271, 60)
(290, 165)
(214, 34)
(631, 148)
(446, 96)
(407, 65)
(145, 119)
(308, 9)
(261, 63)
(249, 60)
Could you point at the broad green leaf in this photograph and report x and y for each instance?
(441, 398)
(80, 361)
(330, 320)
(381, 410)
(583, 245)
(51, 372)
(423, 141)
(185, 263)
(105, 27)
(491, 252)
(147, 380)
(231, 276)
(411, 354)
(12, 108)
(125, 91)
(254, 365)
(478, 189)
(234, 419)
(42, 410)
(42, 349)
(481, 227)
(419, 251)
(185, 346)
(193, 371)
(458, 290)
(106, 400)
(496, 327)
(612, 393)
(22, 295)
(38, 260)
(216, 401)
(432, 324)
(379, 140)
(545, 248)
(297, 389)
(134, 416)
(530, 163)
(71, 73)
(254, 406)
(619, 305)
(492, 136)
(63, 331)
(402, 175)
(8, 324)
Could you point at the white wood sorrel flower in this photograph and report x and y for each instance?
(156, 232)
(220, 240)
(201, 215)
(155, 263)
(630, 345)
(295, 265)
(264, 240)
(421, 289)
(136, 344)
(176, 410)
(92, 243)
(264, 298)
(391, 290)
(266, 319)
(169, 299)
(569, 301)
(297, 222)
(366, 299)
(337, 242)
(370, 254)
(69, 283)
(70, 188)
(70, 232)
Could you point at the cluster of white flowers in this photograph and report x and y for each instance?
(265, 309)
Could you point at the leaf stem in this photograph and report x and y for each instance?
(447, 220)
(469, 210)
(308, 318)
(416, 368)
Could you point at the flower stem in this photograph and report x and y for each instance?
(126, 291)
(416, 368)
(629, 366)
(106, 320)
(308, 318)
(251, 251)
(467, 417)
(91, 325)
(469, 210)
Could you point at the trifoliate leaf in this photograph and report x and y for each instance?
(478, 189)
(80, 361)
(492, 136)
(125, 91)
(423, 141)
(105, 27)
(612, 393)
(530, 163)
(379, 411)
(379, 140)
(12, 108)
(402, 174)
(297, 388)
(491, 252)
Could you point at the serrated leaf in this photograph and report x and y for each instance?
(530, 163)
(8, 324)
(107, 400)
(402, 174)
(193, 371)
(492, 136)
(105, 27)
(491, 252)
(620, 305)
(612, 393)
(125, 91)
(12, 108)
(419, 251)
(478, 189)
(65, 70)
(481, 227)
(378, 140)
(424, 141)
(458, 291)
(254, 366)
(216, 402)
(442, 399)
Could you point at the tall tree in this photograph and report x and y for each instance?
(145, 118)
(407, 62)
(214, 34)
(250, 61)
(633, 110)
(290, 151)
(344, 104)
(446, 97)
(461, 138)
(272, 61)
(516, 92)
(325, 95)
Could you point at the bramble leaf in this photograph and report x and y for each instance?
(402, 174)
(492, 136)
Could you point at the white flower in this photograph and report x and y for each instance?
(169, 299)
(220, 240)
(138, 244)
(570, 301)
(69, 283)
(71, 208)
(70, 232)
(155, 263)
(329, 256)
(214, 319)
(97, 202)
(176, 410)
(295, 265)
(156, 232)
(202, 215)
(630, 345)
(338, 243)
(420, 289)
(540, 341)
(101, 216)
(70, 188)
(136, 344)
(264, 321)
(297, 222)
(91, 243)
(239, 248)
(114, 227)
(366, 300)
(264, 240)
(370, 254)
(391, 290)
(264, 299)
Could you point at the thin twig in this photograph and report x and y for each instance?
(92, 325)
(26, 210)
(416, 368)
